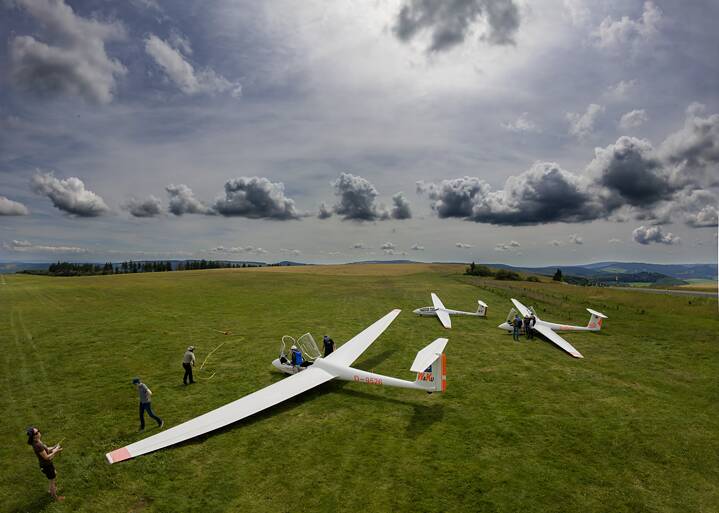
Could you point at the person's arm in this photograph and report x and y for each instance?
(48, 455)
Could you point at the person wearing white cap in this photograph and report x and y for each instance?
(188, 361)
(296, 358)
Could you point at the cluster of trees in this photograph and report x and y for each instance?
(153, 266)
(500, 274)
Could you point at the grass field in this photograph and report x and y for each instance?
(634, 427)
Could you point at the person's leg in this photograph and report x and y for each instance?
(152, 414)
(187, 372)
(142, 416)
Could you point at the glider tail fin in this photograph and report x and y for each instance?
(430, 364)
(481, 308)
(595, 321)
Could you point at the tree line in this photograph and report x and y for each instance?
(132, 266)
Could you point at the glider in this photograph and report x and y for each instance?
(443, 313)
(430, 366)
(548, 329)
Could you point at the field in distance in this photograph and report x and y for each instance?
(522, 427)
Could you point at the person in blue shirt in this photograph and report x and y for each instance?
(516, 327)
(329, 345)
(296, 358)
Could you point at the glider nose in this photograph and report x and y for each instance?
(276, 364)
(416, 311)
(505, 326)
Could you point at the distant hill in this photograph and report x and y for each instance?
(617, 270)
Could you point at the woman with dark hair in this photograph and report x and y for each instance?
(45, 455)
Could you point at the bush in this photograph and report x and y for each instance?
(478, 270)
(532, 278)
(504, 274)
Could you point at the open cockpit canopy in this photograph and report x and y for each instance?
(306, 344)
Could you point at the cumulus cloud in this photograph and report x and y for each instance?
(416, 247)
(24, 246)
(289, 251)
(556, 243)
(581, 126)
(325, 212)
(256, 198)
(9, 207)
(463, 245)
(449, 22)
(618, 34)
(358, 245)
(521, 125)
(614, 241)
(633, 119)
(621, 91)
(654, 234)
(387, 245)
(576, 239)
(73, 61)
(239, 249)
(507, 246)
(183, 201)
(357, 199)
(182, 73)
(69, 195)
(148, 207)
(400, 208)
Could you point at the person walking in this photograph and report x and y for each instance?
(516, 327)
(45, 455)
(145, 404)
(329, 345)
(188, 362)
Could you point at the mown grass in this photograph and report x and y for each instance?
(523, 427)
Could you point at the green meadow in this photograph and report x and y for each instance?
(523, 427)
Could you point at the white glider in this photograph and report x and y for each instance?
(443, 313)
(430, 366)
(548, 329)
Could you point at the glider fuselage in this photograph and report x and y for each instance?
(430, 311)
(552, 326)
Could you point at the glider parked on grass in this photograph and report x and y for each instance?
(548, 329)
(443, 313)
(429, 364)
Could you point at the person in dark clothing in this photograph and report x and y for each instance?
(188, 361)
(530, 330)
(145, 404)
(527, 326)
(329, 345)
(45, 456)
(516, 327)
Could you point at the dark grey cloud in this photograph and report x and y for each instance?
(545, 193)
(357, 199)
(183, 201)
(69, 195)
(628, 176)
(148, 207)
(654, 234)
(400, 208)
(73, 62)
(256, 198)
(450, 22)
(9, 207)
(630, 169)
(325, 212)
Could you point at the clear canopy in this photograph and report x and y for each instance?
(305, 343)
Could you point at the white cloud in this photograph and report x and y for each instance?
(9, 207)
(183, 201)
(149, 207)
(633, 119)
(182, 73)
(618, 34)
(576, 239)
(621, 91)
(416, 247)
(555, 243)
(614, 241)
(463, 245)
(24, 246)
(507, 246)
(74, 62)
(582, 125)
(521, 124)
(654, 234)
(387, 245)
(69, 195)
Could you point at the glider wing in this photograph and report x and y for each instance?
(444, 318)
(437, 303)
(227, 414)
(351, 350)
(523, 310)
(557, 340)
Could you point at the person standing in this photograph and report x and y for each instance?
(145, 403)
(516, 327)
(329, 345)
(45, 455)
(188, 362)
(527, 327)
(532, 322)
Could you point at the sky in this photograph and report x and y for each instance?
(529, 133)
